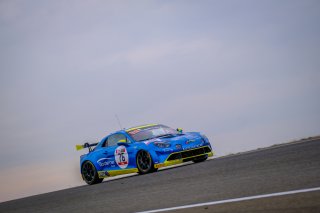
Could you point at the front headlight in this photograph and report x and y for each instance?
(161, 145)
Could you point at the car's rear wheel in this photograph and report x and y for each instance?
(90, 174)
(144, 162)
(200, 159)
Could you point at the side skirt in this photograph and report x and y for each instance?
(104, 174)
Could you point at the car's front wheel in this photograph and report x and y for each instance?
(90, 174)
(144, 162)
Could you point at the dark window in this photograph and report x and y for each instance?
(112, 140)
(149, 132)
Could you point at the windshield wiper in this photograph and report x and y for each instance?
(160, 136)
(166, 135)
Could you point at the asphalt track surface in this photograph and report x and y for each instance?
(290, 167)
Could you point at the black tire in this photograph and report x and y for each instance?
(144, 162)
(90, 174)
(200, 159)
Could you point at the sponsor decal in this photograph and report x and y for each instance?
(147, 142)
(105, 162)
(133, 132)
(167, 150)
(178, 146)
(159, 165)
(192, 147)
(151, 141)
(190, 141)
(121, 156)
(103, 174)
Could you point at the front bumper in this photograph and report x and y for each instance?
(186, 155)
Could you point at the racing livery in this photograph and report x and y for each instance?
(142, 150)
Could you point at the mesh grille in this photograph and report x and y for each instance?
(189, 153)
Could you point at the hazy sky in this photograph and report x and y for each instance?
(245, 73)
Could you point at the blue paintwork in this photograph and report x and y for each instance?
(103, 158)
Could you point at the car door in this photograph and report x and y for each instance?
(114, 156)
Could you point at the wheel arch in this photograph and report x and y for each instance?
(95, 178)
(153, 154)
(88, 160)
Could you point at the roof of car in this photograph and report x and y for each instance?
(139, 127)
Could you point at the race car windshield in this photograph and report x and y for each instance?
(150, 132)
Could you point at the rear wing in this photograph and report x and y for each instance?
(86, 145)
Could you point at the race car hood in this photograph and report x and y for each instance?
(189, 140)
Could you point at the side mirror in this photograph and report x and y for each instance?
(179, 130)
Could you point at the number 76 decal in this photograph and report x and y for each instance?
(121, 157)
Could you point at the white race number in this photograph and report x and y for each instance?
(121, 156)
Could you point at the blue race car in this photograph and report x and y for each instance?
(142, 150)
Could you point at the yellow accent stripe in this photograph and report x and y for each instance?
(178, 161)
(190, 150)
(118, 172)
(140, 127)
(159, 165)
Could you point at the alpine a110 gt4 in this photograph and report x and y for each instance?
(142, 150)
